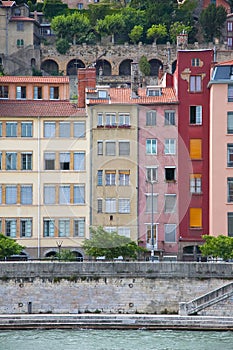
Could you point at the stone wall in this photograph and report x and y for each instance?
(119, 287)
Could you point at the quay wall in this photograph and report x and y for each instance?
(110, 287)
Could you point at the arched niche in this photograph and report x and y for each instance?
(125, 67)
(103, 67)
(73, 65)
(154, 66)
(50, 254)
(78, 255)
(50, 67)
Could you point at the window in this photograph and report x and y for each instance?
(20, 43)
(64, 194)
(230, 224)
(110, 178)
(124, 177)
(10, 228)
(79, 194)
(64, 159)
(48, 228)
(11, 194)
(229, 26)
(196, 115)
(169, 117)
(49, 129)
(102, 94)
(20, 26)
(49, 194)
(37, 93)
(230, 155)
(230, 93)
(170, 146)
(64, 129)
(124, 205)
(11, 161)
(230, 122)
(230, 189)
(11, 129)
(3, 91)
(79, 161)
(100, 178)
(26, 129)
(80, 6)
(26, 161)
(195, 83)
(100, 119)
(124, 148)
(149, 203)
(0, 129)
(170, 233)
(170, 174)
(49, 160)
(195, 148)
(151, 174)
(124, 119)
(0, 160)
(79, 227)
(229, 42)
(151, 146)
(0, 195)
(110, 229)
(151, 118)
(170, 203)
(195, 62)
(26, 194)
(20, 92)
(63, 228)
(124, 231)
(79, 130)
(148, 233)
(25, 227)
(195, 183)
(110, 205)
(100, 148)
(110, 119)
(195, 217)
(99, 205)
(154, 92)
(54, 92)
(110, 148)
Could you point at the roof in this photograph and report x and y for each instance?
(32, 108)
(123, 95)
(21, 19)
(34, 79)
(225, 63)
(7, 3)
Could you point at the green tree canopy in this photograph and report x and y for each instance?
(74, 28)
(9, 247)
(66, 255)
(110, 245)
(144, 66)
(53, 8)
(217, 247)
(178, 28)
(157, 31)
(212, 20)
(136, 34)
(110, 25)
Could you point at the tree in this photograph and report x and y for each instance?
(144, 66)
(157, 31)
(212, 20)
(217, 247)
(136, 34)
(178, 28)
(62, 46)
(53, 8)
(110, 25)
(66, 255)
(9, 247)
(110, 245)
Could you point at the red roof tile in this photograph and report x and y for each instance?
(7, 3)
(34, 79)
(225, 63)
(123, 95)
(21, 19)
(26, 108)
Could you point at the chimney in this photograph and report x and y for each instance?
(86, 79)
(134, 80)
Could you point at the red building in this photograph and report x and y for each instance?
(190, 80)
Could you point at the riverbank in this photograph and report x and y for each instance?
(104, 321)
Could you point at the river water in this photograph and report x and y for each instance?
(115, 340)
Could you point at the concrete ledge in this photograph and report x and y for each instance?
(94, 321)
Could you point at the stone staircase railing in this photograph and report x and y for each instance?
(206, 300)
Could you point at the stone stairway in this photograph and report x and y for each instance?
(206, 300)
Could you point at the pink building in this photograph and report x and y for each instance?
(221, 150)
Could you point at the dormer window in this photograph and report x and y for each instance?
(102, 94)
(17, 12)
(154, 92)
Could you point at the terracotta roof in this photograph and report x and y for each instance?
(123, 95)
(7, 3)
(225, 63)
(21, 19)
(31, 108)
(34, 79)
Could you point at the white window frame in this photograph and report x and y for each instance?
(170, 147)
